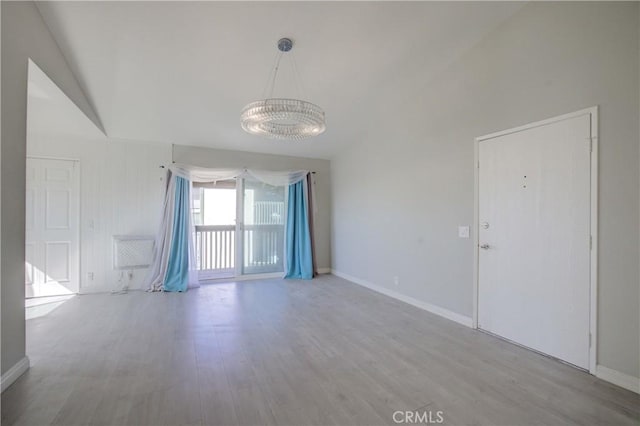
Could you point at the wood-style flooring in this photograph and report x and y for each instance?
(325, 352)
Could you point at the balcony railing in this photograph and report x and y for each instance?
(216, 248)
(263, 250)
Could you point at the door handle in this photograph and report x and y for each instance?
(484, 246)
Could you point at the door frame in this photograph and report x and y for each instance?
(78, 170)
(239, 252)
(593, 273)
(240, 273)
(239, 243)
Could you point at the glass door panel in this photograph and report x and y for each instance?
(214, 219)
(263, 228)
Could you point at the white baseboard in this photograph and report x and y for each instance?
(445, 313)
(13, 373)
(249, 277)
(253, 277)
(617, 378)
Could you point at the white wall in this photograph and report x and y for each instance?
(206, 157)
(24, 36)
(401, 190)
(121, 193)
(121, 182)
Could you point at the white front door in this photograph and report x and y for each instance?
(534, 238)
(52, 227)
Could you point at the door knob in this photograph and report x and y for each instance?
(484, 246)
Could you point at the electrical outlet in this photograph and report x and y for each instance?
(396, 281)
(90, 276)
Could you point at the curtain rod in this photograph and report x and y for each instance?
(173, 148)
(162, 166)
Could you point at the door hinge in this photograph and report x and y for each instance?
(590, 242)
(590, 340)
(478, 165)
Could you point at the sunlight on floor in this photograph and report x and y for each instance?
(41, 306)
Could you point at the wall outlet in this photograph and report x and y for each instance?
(396, 281)
(90, 276)
(463, 232)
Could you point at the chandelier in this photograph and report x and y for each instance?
(282, 118)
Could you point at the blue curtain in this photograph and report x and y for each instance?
(299, 253)
(177, 278)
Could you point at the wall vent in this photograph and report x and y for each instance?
(132, 251)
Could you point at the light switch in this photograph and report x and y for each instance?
(463, 231)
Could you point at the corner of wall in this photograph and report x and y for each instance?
(13, 373)
(437, 310)
(618, 378)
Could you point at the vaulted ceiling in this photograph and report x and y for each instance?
(180, 72)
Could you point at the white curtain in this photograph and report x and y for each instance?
(199, 174)
(278, 178)
(273, 178)
(158, 269)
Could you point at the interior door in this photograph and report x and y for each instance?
(534, 237)
(52, 227)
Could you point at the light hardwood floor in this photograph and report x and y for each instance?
(289, 353)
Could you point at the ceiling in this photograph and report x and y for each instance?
(51, 112)
(180, 72)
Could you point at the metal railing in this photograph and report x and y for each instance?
(263, 249)
(215, 247)
(268, 212)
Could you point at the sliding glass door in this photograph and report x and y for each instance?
(262, 228)
(239, 228)
(214, 217)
